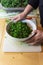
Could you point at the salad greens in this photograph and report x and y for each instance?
(14, 3)
(19, 29)
(0, 0)
(11, 3)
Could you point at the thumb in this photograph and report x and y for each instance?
(35, 31)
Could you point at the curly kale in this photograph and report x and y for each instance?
(19, 30)
(14, 3)
(0, 0)
(11, 3)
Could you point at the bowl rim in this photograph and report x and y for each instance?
(32, 33)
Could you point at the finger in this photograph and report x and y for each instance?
(36, 42)
(31, 39)
(13, 18)
(35, 31)
(16, 17)
(10, 18)
(34, 39)
(37, 34)
(33, 43)
(17, 20)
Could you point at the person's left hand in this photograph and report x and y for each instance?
(37, 39)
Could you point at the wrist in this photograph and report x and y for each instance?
(22, 15)
(25, 12)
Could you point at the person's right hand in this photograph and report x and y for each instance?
(18, 17)
(37, 39)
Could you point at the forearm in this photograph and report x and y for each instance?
(24, 13)
(27, 9)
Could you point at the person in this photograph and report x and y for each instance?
(33, 4)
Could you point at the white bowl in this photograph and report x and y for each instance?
(29, 23)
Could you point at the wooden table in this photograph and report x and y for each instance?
(18, 58)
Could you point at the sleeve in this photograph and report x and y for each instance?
(34, 3)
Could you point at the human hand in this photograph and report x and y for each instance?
(37, 39)
(23, 14)
(18, 17)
